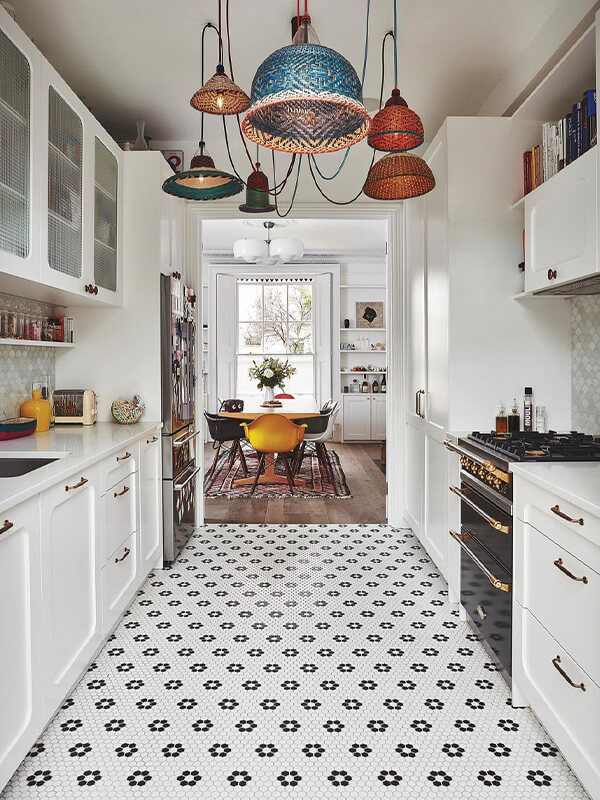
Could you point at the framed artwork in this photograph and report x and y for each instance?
(369, 315)
(175, 159)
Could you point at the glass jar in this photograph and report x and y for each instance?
(3, 324)
(19, 325)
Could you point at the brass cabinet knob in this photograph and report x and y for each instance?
(552, 274)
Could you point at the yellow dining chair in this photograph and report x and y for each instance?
(270, 434)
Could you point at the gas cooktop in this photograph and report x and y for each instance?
(531, 446)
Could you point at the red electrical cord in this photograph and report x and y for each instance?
(298, 14)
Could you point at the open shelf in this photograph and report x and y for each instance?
(35, 343)
(363, 351)
(589, 154)
(362, 287)
(363, 372)
(362, 330)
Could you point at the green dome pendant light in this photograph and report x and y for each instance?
(203, 181)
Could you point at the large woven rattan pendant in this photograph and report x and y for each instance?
(220, 95)
(399, 176)
(306, 98)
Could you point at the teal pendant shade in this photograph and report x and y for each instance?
(306, 98)
(203, 181)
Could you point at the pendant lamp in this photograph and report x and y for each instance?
(396, 127)
(399, 176)
(202, 181)
(268, 252)
(306, 98)
(257, 193)
(220, 95)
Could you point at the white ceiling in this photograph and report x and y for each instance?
(140, 59)
(318, 235)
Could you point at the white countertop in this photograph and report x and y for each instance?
(75, 447)
(576, 481)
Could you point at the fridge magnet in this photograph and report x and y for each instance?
(369, 315)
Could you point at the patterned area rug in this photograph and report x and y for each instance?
(318, 484)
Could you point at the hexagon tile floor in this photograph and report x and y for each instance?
(294, 661)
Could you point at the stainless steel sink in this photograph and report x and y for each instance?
(14, 467)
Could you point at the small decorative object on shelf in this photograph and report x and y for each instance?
(140, 142)
(271, 372)
(16, 427)
(369, 315)
(127, 412)
(346, 323)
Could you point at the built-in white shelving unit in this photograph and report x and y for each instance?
(35, 343)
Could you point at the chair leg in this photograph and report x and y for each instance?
(261, 463)
(243, 459)
(232, 454)
(288, 471)
(299, 458)
(213, 466)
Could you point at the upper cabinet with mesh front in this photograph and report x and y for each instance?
(60, 185)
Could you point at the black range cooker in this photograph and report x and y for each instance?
(485, 534)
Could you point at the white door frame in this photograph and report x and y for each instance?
(392, 215)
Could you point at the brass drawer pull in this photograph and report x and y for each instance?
(124, 458)
(556, 510)
(120, 494)
(559, 563)
(491, 521)
(556, 662)
(124, 556)
(496, 583)
(152, 440)
(77, 485)
(6, 527)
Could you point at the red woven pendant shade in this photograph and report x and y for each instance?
(396, 127)
(399, 176)
(220, 95)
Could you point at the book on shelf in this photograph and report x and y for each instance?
(562, 142)
(62, 329)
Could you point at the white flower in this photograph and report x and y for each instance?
(268, 373)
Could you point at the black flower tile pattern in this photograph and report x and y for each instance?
(294, 661)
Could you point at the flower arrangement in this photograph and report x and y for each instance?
(271, 372)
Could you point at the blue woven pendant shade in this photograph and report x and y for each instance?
(202, 181)
(306, 98)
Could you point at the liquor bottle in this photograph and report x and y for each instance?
(528, 409)
(514, 418)
(365, 385)
(375, 388)
(501, 419)
(383, 385)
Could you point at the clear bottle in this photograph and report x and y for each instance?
(540, 419)
(501, 419)
(528, 409)
(514, 418)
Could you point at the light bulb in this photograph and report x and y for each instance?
(220, 101)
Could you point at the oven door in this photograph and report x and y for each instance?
(180, 502)
(179, 451)
(486, 596)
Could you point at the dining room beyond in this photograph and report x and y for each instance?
(294, 371)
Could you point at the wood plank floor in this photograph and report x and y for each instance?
(365, 480)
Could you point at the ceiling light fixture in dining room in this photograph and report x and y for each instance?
(306, 98)
(268, 252)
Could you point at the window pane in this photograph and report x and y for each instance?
(300, 302)
(300, 338)
(249, 302)
(250, 337)
(275, 339)
(276, 301)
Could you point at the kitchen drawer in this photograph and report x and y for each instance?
(118, 582)
(118, 466)
(120, 512)
(569, 714)
(563, 593)
(535, 505)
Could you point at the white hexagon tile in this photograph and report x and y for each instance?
(294, 661)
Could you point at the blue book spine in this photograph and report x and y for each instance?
(588, 114)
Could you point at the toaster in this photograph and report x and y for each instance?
(74, 405)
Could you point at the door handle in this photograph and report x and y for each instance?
(491, 521)
(556, 662)
(181, 442)
(496, 582)
(556, 510)
(124, 556)
(179, 486)
(418, 411)
(560, 565)
(124, 457)
(120, 494)
(152, 440)
(6, 527)
(82, 482)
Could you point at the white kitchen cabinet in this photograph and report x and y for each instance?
(20, 158)
(363, 417)
(107, 221)
(71, 617)
(561, 226)
(150, 481)
(119, 581)
(20, 635)
(462, 245)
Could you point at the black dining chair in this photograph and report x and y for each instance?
(315, 428)
(227, 435)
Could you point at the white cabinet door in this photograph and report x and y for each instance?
(357, 418)
(414, 481)
(150, 525)
(414, 243)
(19, 153)
(434, 535)
(378, 417)
(104, 194)
(20, 635)
(70, 581)
(560, 226)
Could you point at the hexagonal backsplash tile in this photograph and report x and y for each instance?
(585, 367)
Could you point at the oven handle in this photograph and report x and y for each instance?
(181, 442)
(179, 486)
(496, 583)
(494, 523)
(487, 465)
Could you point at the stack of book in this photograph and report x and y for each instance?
(562, 142)
(60, 329)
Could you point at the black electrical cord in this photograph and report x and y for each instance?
(279, 214)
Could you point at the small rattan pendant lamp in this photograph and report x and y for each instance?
(219, 95)
(202, 181)
(306, 98)
(395, 129)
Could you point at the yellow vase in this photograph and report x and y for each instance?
(38, 409)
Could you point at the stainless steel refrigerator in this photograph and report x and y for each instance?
(181, 469)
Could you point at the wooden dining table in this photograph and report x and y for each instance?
(300, 407)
